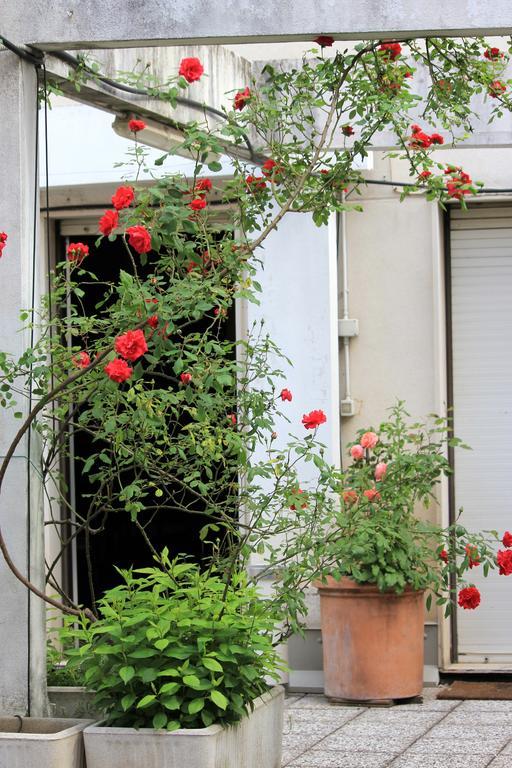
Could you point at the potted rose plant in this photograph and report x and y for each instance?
(386, 558)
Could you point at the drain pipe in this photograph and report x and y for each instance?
(347, 326)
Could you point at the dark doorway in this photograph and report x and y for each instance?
(118, 542)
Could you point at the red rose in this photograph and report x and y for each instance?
(350, 497)
(507, 539)
(241, 98)
(324, 41)
(131, 345)
(472, 556)
(82, 360)
(139, 238)
(191, 69)
(108, 222)
(443, 555)
(504, 561)
(118, 370)
(313, 419)
(436, 138)
(371, 494)
(123, 197)
(286, 395)
(271, 169)
(136, 125)
(76, 252)
(469, 598)
(496, 88)
(391, 50)
(347, 130)
(357, 452)
(493, 54)
(197, 204)
(186, 378)
(153, 321)
(3, 240)
(203, 185)
(255, 182)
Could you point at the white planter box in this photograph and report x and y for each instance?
(34, 742)
(254, 742)
(72, 701)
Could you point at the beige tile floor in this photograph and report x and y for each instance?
(433, 734)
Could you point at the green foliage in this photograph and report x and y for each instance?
(177, 648)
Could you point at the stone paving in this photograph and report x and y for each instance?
(434, 734)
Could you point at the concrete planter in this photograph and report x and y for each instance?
(254, 742)
(33, 742)
(72, 701)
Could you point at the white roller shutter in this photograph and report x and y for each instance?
(481, 285)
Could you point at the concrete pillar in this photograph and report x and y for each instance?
(22, 636)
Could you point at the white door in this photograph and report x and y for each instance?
(481, 285)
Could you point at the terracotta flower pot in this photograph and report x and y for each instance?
(372, 641)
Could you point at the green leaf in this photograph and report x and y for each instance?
(146, 701)
(219, 699)
(126, 674)
(212, 664)
(192, 681)
(159, 720)
(128, 701)
(196, 705)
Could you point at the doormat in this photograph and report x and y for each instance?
(467, 689)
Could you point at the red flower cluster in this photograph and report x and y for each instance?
(347, 130)
(372, 495)
(459, 184)
(493, 54)
(3, 240)
(241, 99)
(191, 69)
(507, 540)
(443, 555)
(272, 170)
(203, 185)
(118, 370)
(131, 345)
(324, 41)
(313, 419)
(108, 222)
(123, 198)
(472, 556)
(424, 175)
(82, 360)
(186, 378)
(139, 238)
(421, 140)
(350, 497)
(504, 561)
(76, 252)
(136, 125)
(391, 50)
(496, 88)
(286, 395)
(469, 598)
(255, 183)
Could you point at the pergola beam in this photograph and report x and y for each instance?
(70, 24)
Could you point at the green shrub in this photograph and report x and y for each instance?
(176, 648)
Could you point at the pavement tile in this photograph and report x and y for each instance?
(408, 760)
(364, 742)
(316, 758)
(502, 761)
(462, 741)
(482, 706)
(399, 717)
(508, 748)
(319, 701)
(307, 722)
(292, 699)
(429, 705)
(470, 717)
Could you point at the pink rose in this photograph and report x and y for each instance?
(380, 470)
(357, 452)
(369, 440)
